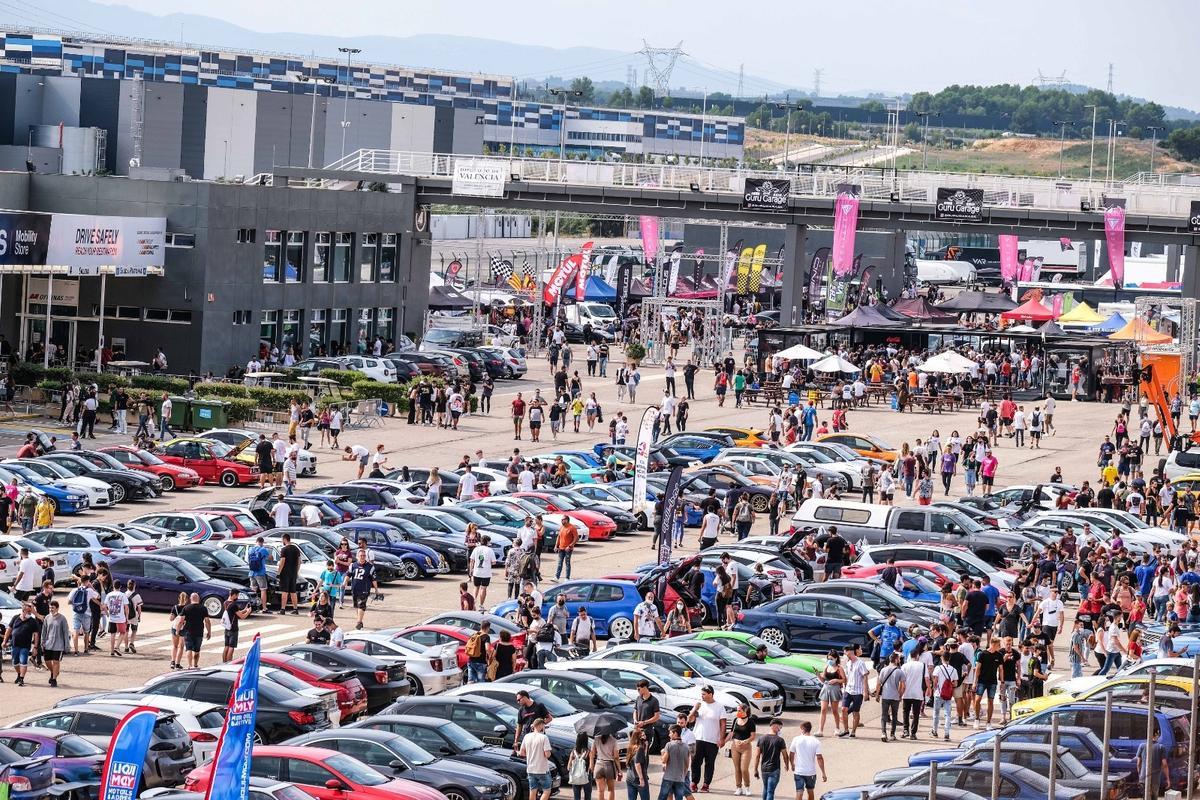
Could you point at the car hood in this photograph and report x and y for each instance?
(119, 475)
(452, 769)
(772, 673)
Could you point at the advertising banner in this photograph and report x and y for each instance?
(126, 754)
(816, 273)
(961, 205)
(24, 238)
(1008, 257)
(845, 227)
(66, 292)
(697, 268)
(666, 520)
(87, 240)
(731, 257)
(743, 270)
(649, 230)
(1194, 218)
(641, 462)
(583, 272)
(479, 177)
(1114, 234)
(624, 287)
(766, 194)
(230, 779)
(756, 268)
(673, 274)
(562, 273)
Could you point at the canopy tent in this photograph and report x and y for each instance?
(1111, 325)
(834, 363)
(640, 287)
(799, 352)
(445, 297)
(1052, 329)
(1137, 330)
(1020, 329)
(887, 312)
(864, 317)
(948, 362)
(984, 302)
(596, 289)
(920, 309)
(1082, 314)
(1030, 311)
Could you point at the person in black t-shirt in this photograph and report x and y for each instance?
(235, 609)
(1010, 663)
(987, 677)
(835, 554)
(362, 581)
(974, 608)
(317, 633)
(961, 665)
(196, 628)
(528, 711)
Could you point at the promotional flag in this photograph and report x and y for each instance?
(649, 230)
(641, 461)
(528, 282)
(1057, 305)
(864, 286)
(1008, 257)
(610, 269)
(743, 270)
(563, 272)
(756, 267)
(697, 268)
(731, 257)
(624, 287)
(126, 754)
(673, 275)
(1064, 244)
(452, 271)
(845, 227)
(1026, 273)
(816, 273)
(230, 779)
(1114, 234)
(666, 520)
(581, 277)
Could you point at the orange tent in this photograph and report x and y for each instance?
(1137, 330)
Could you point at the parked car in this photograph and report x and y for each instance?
(73, 759)
(385, 681)
(674, 693)
(306, 462)
(351, 694)
(797, 687)
(747, 645)
(58, 482)
(211, 460)
(190, 526)
(387, 566)
(222, 563)
(429, 670)
(1086, 744)
(513, 363)
(202, 721)
(881, 598)
(161, 578)
(609, 603)
(812, 623)
(127, 484)
(171, 476)
(74, 543)
(416, 560)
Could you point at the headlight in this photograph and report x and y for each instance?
(758, 695)
(1012, 552)
(488, 789)
(76, 497)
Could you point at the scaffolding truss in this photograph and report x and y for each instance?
(714, 337)
(1150, 307)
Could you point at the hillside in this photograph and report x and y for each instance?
(1041, 157)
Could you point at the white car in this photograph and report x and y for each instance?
(1182, 462)
(430, 670)
(1047, 499)
(377, 369)
(312, 557)
(202, 721)
(1138, 540)
(59, 561)
(306, 462)
(515, 365)
(1162, 667)
(98, 492)
(941, 272)
(673, 692)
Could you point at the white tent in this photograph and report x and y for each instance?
(948, 362)
(799, 352)
(834, 363)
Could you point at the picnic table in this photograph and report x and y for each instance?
(933, 403)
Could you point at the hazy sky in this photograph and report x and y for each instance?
(906, 45)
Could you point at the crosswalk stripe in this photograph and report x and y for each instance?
(282, 638)
(164, 642)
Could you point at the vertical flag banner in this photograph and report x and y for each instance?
(641, 461)
(731, 257)
(864, 286)
(1008, 257)
(230, 778)
(1064, 243)
(563, 272)
(673, 277)
(126, 754)
(624, 288)
(845, 227)
(816, 274)
(649, 229)
(666, 520)
(756, 267)
(697, 268)
(1114, 234)
(743, 270)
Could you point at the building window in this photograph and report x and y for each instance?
(181, 240)
(339, 329)
(368, 258)
(341, 257)
(272, 254)
(156, 315)
(320, 265)
(385, 324)
(387, 259)
(318, 330)
(366, 329)
(294, 270)
(268, 327)
(245, 236)
(291, 330)
(241, 317)
(181, 316)
(118, 312)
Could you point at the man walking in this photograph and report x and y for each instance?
(768, 752)
(708, 719)
(164, 418)
(196, 628)
(535, 747)
(55, 637)
(804, 757)
(856, 686)
(116, 609)
(676, 758)
(362, 582)
(568, 537)
(235, 610)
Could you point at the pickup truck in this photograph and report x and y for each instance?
(876, 524)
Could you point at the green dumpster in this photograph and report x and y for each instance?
(208, 414)
(179, 413)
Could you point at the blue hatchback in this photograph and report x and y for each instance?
(609, 603)
(67, 500)
(813, 623)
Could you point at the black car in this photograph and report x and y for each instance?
(281, 713)
(444, 738)
(405, 370)
(384, 681)
(881, 598)
(219, 562)
(127, 484)
(797, 686)
(396, 755)
(476, 364)
(493, 362)
(407, 531)
(106, 461)
(625, 521)
(387, 566)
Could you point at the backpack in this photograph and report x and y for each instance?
(475, 646)
(257, 560)
(79, 602)
(946, 690)
(545, 634)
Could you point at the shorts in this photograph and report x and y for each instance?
(535, 426)
(1006, 421)
(539, 781)
(117, 627)
(885, 495)
(805, 782)
(673, 790)
(192, 642)
(988, 689)
(52, 655)
(852, 702)
(833, 570)
(454, 415)
(20, 656)
(960, 691)
(360, 600)
(258, 581)
(1049, 632)
(231, 638)
(480, 583)
(81, 623)
(287, 584)
(362, 460)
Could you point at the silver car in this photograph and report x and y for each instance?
(431, 670)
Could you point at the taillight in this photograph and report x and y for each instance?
(3, 565)
(381, 676)
(777, 573)
(345, 696)
(19, 783)
(347, 516)
(104, 551)
(435, 664)
(302, 717)
(191, 784)
(741, 617)
(201, 736)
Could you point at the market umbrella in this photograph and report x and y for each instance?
(799, 352)
(604, 723)
(834, 363)
(1082, 314)
(1137, 330)
(948, 362)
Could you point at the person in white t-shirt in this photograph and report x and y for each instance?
(482, 561)
(804, 757)
(535, 747)
(913, 674)
(310, 516)
(280, 511)
(708, 718)
(116, 606)
(28, 574)
(467, 483)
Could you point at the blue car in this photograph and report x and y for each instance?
(416, 560)
(812, 623)
(334, 504)
(1084, 743)
(919, 589)
(609, 603)
(692, 513)
(691, 445)
(1016, 782)
(160, 579)
(708, 594)
(29, 778)
(73, 758)
(67, 500)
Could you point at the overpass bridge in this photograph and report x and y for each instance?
(1031, 207)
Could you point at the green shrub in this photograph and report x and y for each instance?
(26, 373)
(104, 380)
(240, 409)
(60, 374)
(274, 399)
(50, 386)
(635, 351)
(394, 394)
(344, 377)
(221, 389)
(160, 383)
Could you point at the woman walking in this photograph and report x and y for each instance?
(578, 774)
(743, 517)
(637, 767)
(833, 678)
(176, 617)
(970, 470)
(949, 462)
(741, 744)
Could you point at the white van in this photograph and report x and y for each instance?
(598, 314)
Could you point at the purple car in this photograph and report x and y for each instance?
(73, 758)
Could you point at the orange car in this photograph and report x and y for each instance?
(742, 437)
(863, 444)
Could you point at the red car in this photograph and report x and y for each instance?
(213, 461)
(172, 476)
(241, 523)
(930, 570)
(351, 694)
(325, 774)
(598, 526)
(442, 635)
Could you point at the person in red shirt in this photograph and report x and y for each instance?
(518, 415)
(29, 449)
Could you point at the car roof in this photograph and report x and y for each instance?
(108, 709)
(419, 720)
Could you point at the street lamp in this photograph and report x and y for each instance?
(1092, 156)
(562, 120)
(925, 115)
(1113, 133)
(312, 122)
(788, 107)
(1153, 144)
(1062, 143)
(349, 51)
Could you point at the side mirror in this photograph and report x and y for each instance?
(181, 578)
(334, 785)
(398, 765)
(597, 702)
(445, 750)
(500, 729)
(856, 618)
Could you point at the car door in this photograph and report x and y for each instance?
(372, 753)
(312, 777)
(805, 628)
(909, 526)
(841, 626)
(161, 583)
(481, 723)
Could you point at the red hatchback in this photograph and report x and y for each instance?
(325, 774)
(443, 635)
(598, 526)
(215, 462)
(172, 476)
(351, 694)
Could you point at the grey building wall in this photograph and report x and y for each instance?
(191, 140)
(163, 125)
(28, 99)
(60, 101)
(468, 136)
(369, 127)
(99, 107)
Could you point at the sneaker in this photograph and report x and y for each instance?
(53, 682)
(133, 649)
(976, 725)
(704, 788)
(885, 737)
(945, 738)
(358, 627)
(693, 786)
(843, 734)
(115, 653)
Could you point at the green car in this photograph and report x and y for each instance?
(746, 644)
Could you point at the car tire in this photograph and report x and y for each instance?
(168, 483)
(410, 571)
(508, 373)
(759, 503)
(118, 493)
(258, 737)
(53, 503)
(415, 687)
(513, 784)
(454, 793)
(1066, 583)
(229, 479)
(620, 628)
(774, 636)
(213, 606)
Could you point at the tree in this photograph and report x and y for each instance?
(587, 89)
(645, 97)
(872, 106)
(667, 102)
(622, 98)
(1185, 143)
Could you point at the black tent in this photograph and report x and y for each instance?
(445, 297)
(983, 302)
(865, 317)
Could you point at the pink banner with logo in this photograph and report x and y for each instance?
(1008, 258)
(845, 227)
(1057, 305)
(1027, 270)
(649, 229)
(1114, 234)
(562, 273)
(585, 271)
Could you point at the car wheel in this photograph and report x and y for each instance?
(168, 483)
(773, 636)
(414, 686)
(620, 628)
(508, 373)
(229, 479)
(258, 737)
(643, 523)
(759, 503)
(213, 606)
(118, 493)
(53, 504)
(455, 794)
(1066, 583)
(410, 571)
(512, 785)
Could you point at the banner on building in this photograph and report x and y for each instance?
(126, 754)
(230, 778)
(641, 461)
(697, 268)
(1009, 257)
(479, 177)
(624, 287)
(757, 260)
(816, 273)
(1194, 218)
(66, 292)
(1114, 234)
(845, 227)
(959, 205)
(24, 238)
(89, 240)
(766, 194)
(666, 520)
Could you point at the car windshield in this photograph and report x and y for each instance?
(553, 703)
(355, 770)
(226, 558)
(46, 469)
(817, 456)
(922, 584)
(149, 458)
(191, 572)
(30, 545)
(72, 746)
(698, 664)
(78, 466)
(462, 739)
(312, 551)
(449, 520)
(606, 692)
(666, 677)
(106, 459)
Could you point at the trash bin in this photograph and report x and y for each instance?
(209, 414)
(179, 413)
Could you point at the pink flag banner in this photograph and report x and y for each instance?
(584, 272)
(1027, 270)
(1114, 234)
(1008, 258)
(1064, 243)
(649, 229)
(845, 227)
(1057, 305)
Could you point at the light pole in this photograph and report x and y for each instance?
(925, 115)
(1062, 143)
(312, 122)
(1154, 129)
(788, 107)
(562, 123)
(1111, 161)
(349, 51)
(1092, 157)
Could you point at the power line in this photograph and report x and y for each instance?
(660, 62)
(46, 19)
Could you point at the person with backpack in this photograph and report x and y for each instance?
(257, 559)
(945, 678)
(888, 691)
(81, 619)
(477, 653)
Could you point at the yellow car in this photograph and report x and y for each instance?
(863, 444)
(1125, 690)
(742, 437)
(1186, 483)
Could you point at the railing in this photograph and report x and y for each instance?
(814, 181)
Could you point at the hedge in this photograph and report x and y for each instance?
(105, 380)
(344, 377)
(222, 389)
(275, 399)
(160, 383)
(239, 409)
(394, 394)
